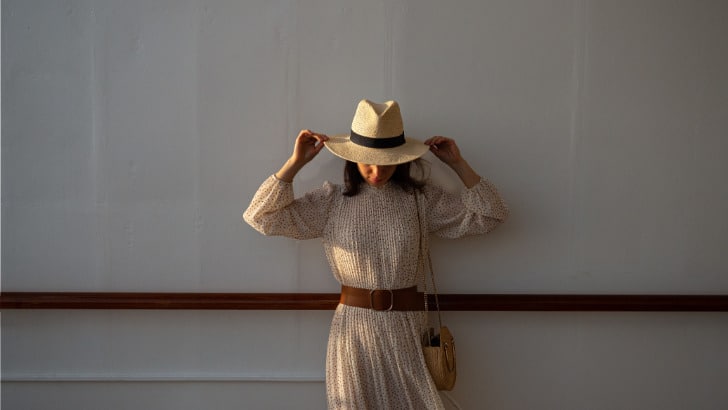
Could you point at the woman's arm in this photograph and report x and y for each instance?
(308, 144)
(476, 210)
(273, 209)
(448, 152)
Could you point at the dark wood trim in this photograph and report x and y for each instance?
(202, 301)
(329, 301)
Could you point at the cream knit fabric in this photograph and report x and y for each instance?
(374, 359)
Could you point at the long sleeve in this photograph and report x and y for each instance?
(473, 211)
(274, 211)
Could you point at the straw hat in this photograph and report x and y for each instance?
(377, 137)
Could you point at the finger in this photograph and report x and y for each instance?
(319, 146)
(313, 139)
(304, 137)
(437, 142)
(308, 135)
(320, 137)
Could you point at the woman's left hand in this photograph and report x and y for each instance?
(448, 152)
(445, 149)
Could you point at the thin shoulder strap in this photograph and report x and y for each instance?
(424, 260)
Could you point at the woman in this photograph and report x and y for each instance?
(370, 229)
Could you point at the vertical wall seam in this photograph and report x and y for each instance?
(292, 89)
(99, 160)
(2, 114)
(578, 69)
(388, 10)
(197, 16)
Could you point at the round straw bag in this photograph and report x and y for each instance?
(438, 349)
(440, 359)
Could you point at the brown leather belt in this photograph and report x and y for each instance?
(383, 299)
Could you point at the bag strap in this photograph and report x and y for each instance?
(424, 258)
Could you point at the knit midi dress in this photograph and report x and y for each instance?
(374, 358)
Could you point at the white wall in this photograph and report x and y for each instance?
(135, 132)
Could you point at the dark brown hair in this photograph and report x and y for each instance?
(402, 176)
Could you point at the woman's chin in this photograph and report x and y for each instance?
(378, 183)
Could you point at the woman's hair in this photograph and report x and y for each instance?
(402, 176)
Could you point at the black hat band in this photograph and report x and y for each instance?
(370, 142)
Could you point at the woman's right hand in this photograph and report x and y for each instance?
(308, 145)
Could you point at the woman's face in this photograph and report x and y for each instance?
(376, 175)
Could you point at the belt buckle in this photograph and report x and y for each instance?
(391, 299)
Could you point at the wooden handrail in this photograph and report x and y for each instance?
(329, 301)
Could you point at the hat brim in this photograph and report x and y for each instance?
(342, 147)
